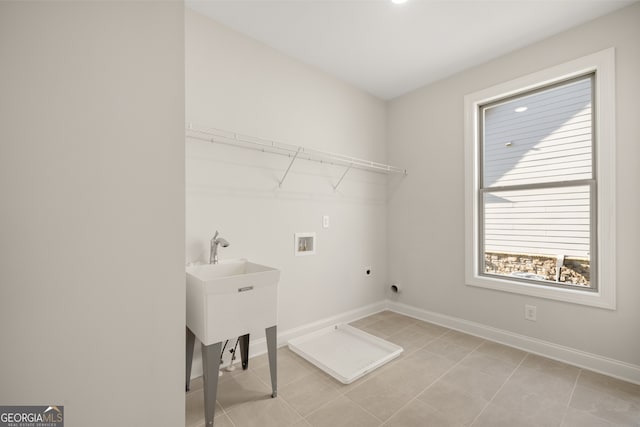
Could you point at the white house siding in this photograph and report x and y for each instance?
(549, 142)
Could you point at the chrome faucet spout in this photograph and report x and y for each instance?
(215, 242)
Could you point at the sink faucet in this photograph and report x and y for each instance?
(215, 241)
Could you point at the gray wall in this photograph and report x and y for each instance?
(92, 218)
(426, 213)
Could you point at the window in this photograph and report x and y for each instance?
(540, 187)
(537, 186)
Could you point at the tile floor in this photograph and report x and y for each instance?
(443, 378)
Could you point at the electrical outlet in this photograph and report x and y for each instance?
(530, 312)
(325, 221)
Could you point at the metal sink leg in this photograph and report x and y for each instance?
(191, 341)
(272, 350)
(210, 366)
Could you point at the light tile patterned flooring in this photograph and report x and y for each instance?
(443, 378)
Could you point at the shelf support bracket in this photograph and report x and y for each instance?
(335, 187)
(295, 156)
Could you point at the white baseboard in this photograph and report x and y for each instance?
(593, 362)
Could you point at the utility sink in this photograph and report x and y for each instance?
(231, 299)
(227, 300)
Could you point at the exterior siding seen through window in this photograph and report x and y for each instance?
(537, 187)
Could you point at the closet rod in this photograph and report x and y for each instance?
(244, 141)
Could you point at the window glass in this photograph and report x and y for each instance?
(537, 187)
(539, 234)
(542, 137)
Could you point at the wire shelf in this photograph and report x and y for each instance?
(294, 152)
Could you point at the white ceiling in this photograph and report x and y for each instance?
(388, 49)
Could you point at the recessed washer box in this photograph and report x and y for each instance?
(305, 243)
(344, 352)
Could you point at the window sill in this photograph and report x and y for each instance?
(598, 299)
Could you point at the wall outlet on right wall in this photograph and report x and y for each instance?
(530, 312)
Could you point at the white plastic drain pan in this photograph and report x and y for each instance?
(344, 352)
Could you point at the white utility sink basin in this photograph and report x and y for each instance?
(231, 299)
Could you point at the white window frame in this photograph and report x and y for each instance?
(603, 64)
